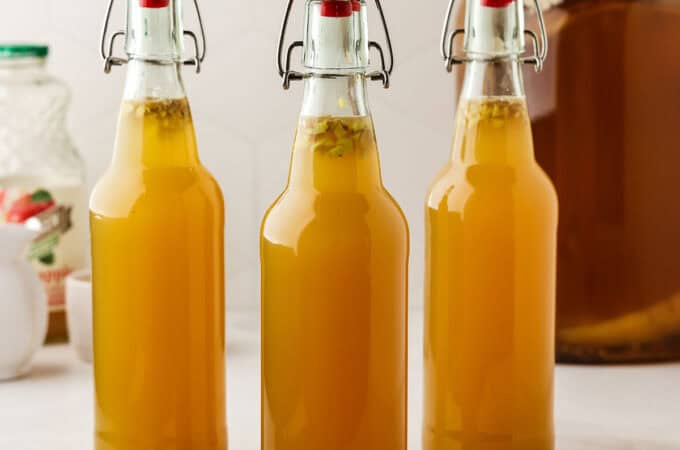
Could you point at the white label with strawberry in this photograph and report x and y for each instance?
(58, 211)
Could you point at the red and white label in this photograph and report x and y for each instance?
(59, 212)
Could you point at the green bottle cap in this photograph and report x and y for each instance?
(9, 51)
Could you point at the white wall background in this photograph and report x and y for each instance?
(244, 120)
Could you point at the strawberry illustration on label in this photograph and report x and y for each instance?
(29, 205)
(56, 211)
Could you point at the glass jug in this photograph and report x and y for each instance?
(42, 177)
(604, 114)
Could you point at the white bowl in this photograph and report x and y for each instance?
(79, 312)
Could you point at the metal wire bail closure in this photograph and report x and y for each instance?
(107, 49)
(289, 75)
(540, 47)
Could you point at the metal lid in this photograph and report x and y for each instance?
(11, 51)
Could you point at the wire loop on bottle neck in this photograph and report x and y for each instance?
(107, 46)
(540, 46)
(284, 57)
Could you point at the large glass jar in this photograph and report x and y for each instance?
(605, 115)
(42, 177)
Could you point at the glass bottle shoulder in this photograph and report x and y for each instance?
(121, 190)
(155, 163)
(334, 181)
(355, 214)
(492, 155)
(457, 183)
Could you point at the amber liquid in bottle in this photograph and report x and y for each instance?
(605, 113)
(491, 253)
(157, 225)
(157, 220)
(491, 238)
(334, 252)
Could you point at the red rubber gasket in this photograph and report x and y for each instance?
(496, 3)
(154, 3)
(336, 8)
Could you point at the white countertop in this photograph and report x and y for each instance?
(597, 408)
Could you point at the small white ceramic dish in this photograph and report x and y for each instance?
(23, 303)
(79, 312)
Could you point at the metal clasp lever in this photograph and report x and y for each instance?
(107, 49)
(540, 47)
(289, 75)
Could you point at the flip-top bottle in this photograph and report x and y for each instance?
(491, 220)
(157, 221)
(334, 249)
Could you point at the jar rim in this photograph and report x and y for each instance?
(16, 51)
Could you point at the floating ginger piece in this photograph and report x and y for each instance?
(168, 112)
(495, 111)
(335, 136)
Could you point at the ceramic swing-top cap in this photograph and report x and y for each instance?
(335, 41)
(494, 28)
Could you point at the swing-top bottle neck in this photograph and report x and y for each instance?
(155, 128)
(494, 29)
(154, 31)
(494, 43)
(336, 58)
(154, 46)
(335, 148)
(335, 37)
(492, 124)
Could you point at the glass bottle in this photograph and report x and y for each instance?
(491, 219)
(42, 176)
(334, 250)
(157, 222)
(612, 153)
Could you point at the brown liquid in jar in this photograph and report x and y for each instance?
(606, 122)
(57, 329)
